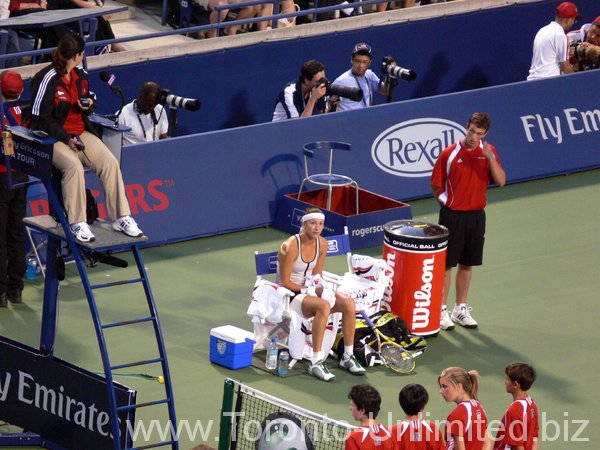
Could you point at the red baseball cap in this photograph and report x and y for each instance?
(567, 10)
(12, 84)
(596, 20)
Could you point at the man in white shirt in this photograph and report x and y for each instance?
(551, 45)
(146, 117)
(360, 76)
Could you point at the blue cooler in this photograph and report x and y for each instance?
(231, 347)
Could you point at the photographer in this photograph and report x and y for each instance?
(145, 116)
(584, 52)
(61, 102)
(551, 45)
(360, 76)
(305, 97)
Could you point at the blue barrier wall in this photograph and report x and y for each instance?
(450, 54)
(230, 180)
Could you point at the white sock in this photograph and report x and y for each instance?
(317, 356)
(348, 351)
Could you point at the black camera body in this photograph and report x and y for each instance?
(175, 101)
(352, 93)
(391, 68)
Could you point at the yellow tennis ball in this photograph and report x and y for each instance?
(161, 379)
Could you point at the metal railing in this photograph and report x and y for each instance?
(315, 11)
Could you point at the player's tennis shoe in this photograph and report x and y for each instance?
(351, 364)
(445, 322)
(320, 371)
(461, 314)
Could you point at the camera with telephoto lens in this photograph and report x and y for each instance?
(390, 67)
(587, 56)
(175, 101)
(352, 93)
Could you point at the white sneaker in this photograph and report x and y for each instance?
(445, 322)
(127, 225)
(461, 314)
(320, 371)
(351, 364)
(82, 232)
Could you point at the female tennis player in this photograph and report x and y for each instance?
(300, 257)
(466, 426)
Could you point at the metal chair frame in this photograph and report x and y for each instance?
(329, 179)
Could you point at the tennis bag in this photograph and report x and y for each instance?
(365, 341)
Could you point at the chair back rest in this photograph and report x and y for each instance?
(339, 244)
(311, 147)
(266, 263)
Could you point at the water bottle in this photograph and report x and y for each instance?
(284, 359)
(32, 269)
(272, 350)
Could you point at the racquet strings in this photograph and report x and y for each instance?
(397, 358)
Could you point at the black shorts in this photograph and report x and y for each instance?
(467, 236)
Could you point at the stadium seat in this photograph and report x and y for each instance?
(327, 179)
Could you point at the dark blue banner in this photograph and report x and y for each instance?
(57, 400)
(231, 180)
(453, 53)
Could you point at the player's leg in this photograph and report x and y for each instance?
(345, 305)
(472, 255)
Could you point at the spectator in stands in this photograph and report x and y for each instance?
(361, 76)
(381, 7)
(264, 10)
(300, 263)
(12, 45)
(12, 204)
(584, 50)
(551, 46)
(48, 35)
(145, 116)
(305, 97)
(60, 105)
(246, 12)
(104, 30)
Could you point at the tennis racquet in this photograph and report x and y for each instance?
(394, 356)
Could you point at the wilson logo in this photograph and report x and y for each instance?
(410, 149)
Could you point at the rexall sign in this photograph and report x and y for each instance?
(409, 149)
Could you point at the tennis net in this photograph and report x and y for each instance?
(251, 419)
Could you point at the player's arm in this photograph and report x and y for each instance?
(459, 443)
(498, 174)
(487, 442)
(534, 446)
(322, 255)
(288, 252)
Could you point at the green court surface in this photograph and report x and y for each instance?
(535, 299)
